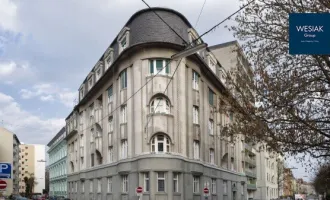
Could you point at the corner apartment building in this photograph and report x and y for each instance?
(120, 137)
(33, 162)
(9, 153)
(58, 164)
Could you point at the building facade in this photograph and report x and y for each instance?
(9, 153)
(33, 163)
(58, 164)
(267, 176)
(146, 120)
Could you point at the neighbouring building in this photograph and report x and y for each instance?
(267, 174)
(9, 153)
(33, 163)
(250, 168)
(167, 141)
(58, 164)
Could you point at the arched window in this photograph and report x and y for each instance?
(160, 144)
(160, 105)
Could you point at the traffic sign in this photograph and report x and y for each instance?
(139, 190)
(5, 170)
(206, 190)
(3, 184)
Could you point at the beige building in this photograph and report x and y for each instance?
(169, 142)
(9, 153)
(32, 162)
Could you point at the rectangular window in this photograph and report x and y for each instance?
(211, 97)
(161, 182)
(110, 152)
(125, 183)
(92, 160)
(109, 61)
(212, 156)
(146, 182)
(81, 93)
(196, 184)
(76, 186)
(224, 187)
(195, 80)
(196, 149)
(91, 186)
(124, 149)
(159, 66)
(110, 94)
(210, 128)
(99, 185)
(109, 180)
(123, 112)
(123, 79)
(242, 188)
(195, 115)
(123, 42)
(110, 124)
(214, 186)
(175, 182)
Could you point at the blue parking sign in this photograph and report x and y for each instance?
(5, 170)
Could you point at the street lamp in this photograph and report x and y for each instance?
(189, 51)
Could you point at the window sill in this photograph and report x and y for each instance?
(109, 193)
(124, 193)
(157, 114)
(159, 75)
(177, 193)
(196, 90)
(196, 194)
(161, 193)
(123, 89)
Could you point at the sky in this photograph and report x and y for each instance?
(48, 47)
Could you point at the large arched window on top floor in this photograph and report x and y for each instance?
(160, 143)
(160, 105)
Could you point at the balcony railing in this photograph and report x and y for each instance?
(251, 186)
(251, 174)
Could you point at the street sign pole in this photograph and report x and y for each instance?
(139, 191)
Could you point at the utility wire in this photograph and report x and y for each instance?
(200, 13)
(166, 23)
(164, 92)
(223, 20)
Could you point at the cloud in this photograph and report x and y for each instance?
(29, 128)
(11, 72)
(50, 92)
(8, 15)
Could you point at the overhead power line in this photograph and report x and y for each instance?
(223, 20)
(200, 13)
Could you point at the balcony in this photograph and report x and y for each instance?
(252, 186)
(250, 174)
(251, 161)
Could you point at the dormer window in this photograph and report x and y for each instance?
(98, 72)
(90, 82)
(193, 37)
(81, 93)
(123, 39)
(212, 64)
(108, 55)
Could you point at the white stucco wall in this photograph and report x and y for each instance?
(40, 167)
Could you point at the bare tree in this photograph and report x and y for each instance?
(292, 113)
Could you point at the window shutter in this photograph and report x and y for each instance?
(151, 66)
